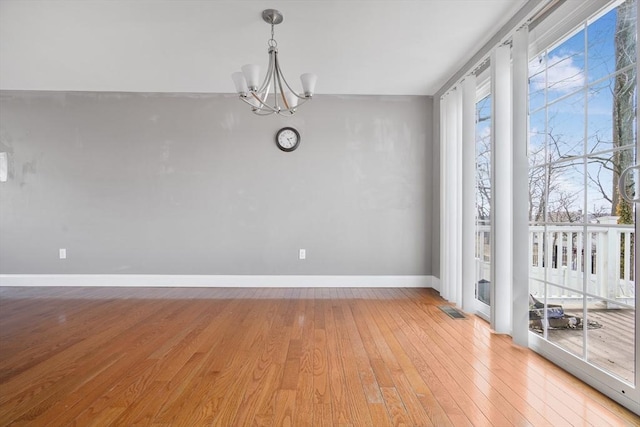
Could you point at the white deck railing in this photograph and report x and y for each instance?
(559, 257)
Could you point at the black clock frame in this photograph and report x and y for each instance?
(288, 150)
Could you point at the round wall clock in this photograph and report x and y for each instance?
(287, 139)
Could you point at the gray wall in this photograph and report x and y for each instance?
(435, 177)
(194, 184)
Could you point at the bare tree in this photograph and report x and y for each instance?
(483, 165)
(623, 103)
(546, 192)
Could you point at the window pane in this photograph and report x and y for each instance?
(565, 326)
(624, 108)
(566, 191)
(560, 318)
(611, 109)
(537, 137)
(612, 260)
(603, 171)
(483, 200)
(610, 329)
(537, 193)
(600, 123)
(537, 82)
(564, 260)
(566, 127)
(565, 67)
(483, 161)
(600, 186)
(611, 41)
(601, 43)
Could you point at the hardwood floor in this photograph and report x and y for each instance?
(298, 357)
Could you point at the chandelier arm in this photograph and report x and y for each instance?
(246, 100)
(262, 94)
(299, 104)
(263, 109)
(276, 102)
(279, 71)
(263, 106)
(291, 111)
(267, 77)
(258, 112)
(280, 78)
(266, 87)
(303, 100)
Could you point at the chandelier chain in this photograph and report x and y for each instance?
(272, 41)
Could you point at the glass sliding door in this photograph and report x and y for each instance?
(582, 236)
(483, 204)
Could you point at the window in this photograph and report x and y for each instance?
(583, 103)
(483, 201)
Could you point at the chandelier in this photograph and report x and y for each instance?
(274, 95)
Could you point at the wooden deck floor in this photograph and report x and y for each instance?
(236, 357)
(611, 343)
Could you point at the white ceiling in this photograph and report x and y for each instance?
(385, 47)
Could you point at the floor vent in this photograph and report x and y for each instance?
(452, 312)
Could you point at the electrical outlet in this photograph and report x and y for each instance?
(302, 254)
(63, 253)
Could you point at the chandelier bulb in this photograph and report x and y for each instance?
(292, 99)
(240, 82)
(252, 75)
(308, 84)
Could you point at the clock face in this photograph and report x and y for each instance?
(287, 139)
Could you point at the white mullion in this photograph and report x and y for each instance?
(585, 203)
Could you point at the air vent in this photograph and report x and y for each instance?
(452, 312)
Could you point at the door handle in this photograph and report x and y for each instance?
(622, 185)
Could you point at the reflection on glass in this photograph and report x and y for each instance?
(610, 329)
(566, 127)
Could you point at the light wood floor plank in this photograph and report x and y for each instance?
(291, 356)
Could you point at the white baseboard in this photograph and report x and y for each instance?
(245, 281)
(435, 283)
